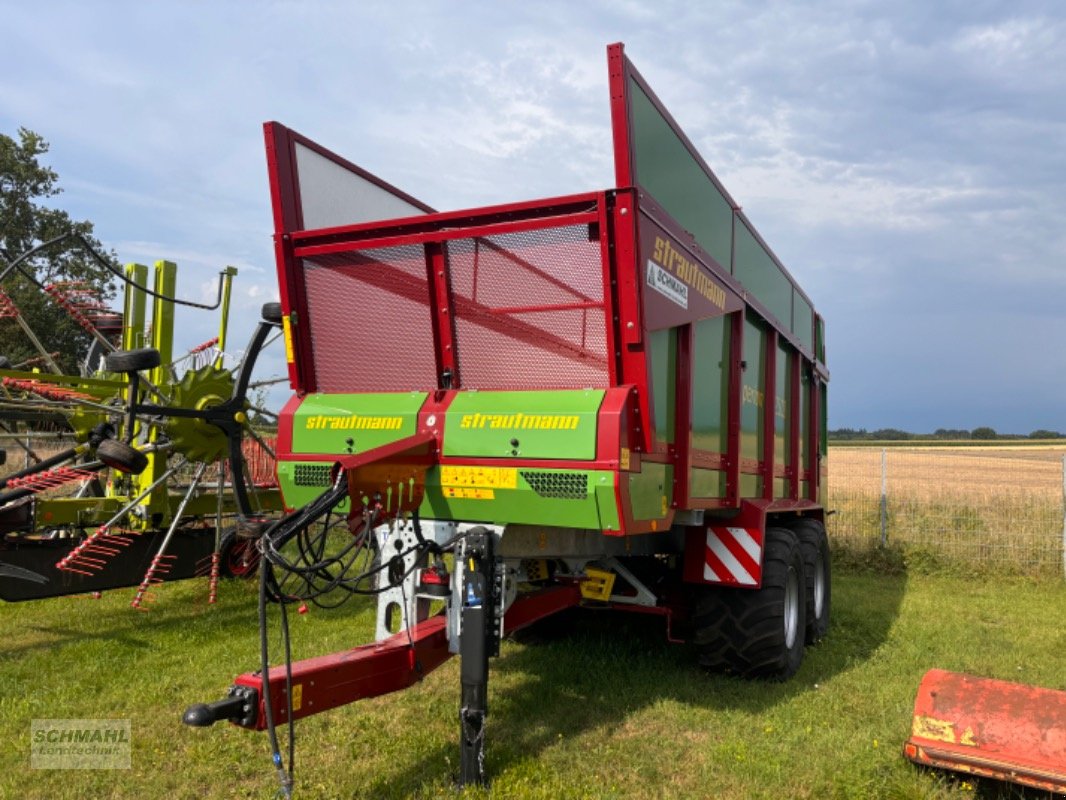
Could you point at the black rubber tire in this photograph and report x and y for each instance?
(818, 573)
(3, 457)
(757, 633)
(121, 456)
(132, 360)
(239, 557)
(272, 313)
(5, 362)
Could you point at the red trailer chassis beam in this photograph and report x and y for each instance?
(371, 670)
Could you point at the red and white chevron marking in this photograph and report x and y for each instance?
(733, 556)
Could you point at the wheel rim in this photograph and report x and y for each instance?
(819, 588)
(792, 600)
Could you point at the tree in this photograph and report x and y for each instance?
(25, 222)
(984, 433)
(1041, 433)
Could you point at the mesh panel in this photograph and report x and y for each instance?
(508, 336)
(560, 485)
(369, 320)
(528, 314)
(311, 475)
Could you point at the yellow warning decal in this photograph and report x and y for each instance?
(483, 477)
(468, 493)
(938, 730)
(297, 696)
(287, 327)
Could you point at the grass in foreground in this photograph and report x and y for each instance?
(611, 711)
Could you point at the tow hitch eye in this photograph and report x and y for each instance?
(241, 706)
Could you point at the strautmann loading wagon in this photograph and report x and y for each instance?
(613, 399)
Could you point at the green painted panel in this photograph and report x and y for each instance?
(752, 392)
(649, 490)
(761, 276)
(556, 424)
(783, 415)
(706, 483)
(324, 423)
(750, 486)
(805, 420)
(557, 498)
(710, 384)
(666, 168)
(803, 320)
(662, 351)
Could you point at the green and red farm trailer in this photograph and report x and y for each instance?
(614, 399)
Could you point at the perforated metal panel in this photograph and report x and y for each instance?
(558, 485)
(528, 314)
(368, 313)
(311, 474)
(528, 310)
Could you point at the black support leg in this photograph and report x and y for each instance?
(478, 619)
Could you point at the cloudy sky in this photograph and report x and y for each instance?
(906, 161)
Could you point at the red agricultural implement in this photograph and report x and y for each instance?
(614, 398)
(989, 728)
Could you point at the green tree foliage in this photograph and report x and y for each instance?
(951, 433)
(25, 222)
(984, 433)
(1041, 433)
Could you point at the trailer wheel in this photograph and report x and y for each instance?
(239, 556)
(757, 633)
(121, 456)
(271, 312)
(132, 360)
(815, 546)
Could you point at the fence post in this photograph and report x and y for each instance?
(884, 499)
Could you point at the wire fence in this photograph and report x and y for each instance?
(996, 508)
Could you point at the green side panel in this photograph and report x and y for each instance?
(353, 423)
(663, 356)
(558, 424)
(706, 483)
(302, 482)
(803, 320)
(820, 344)
(752, 392)
(710, 384)
(650, 489)
(750, 486)
(805, 420)
(761, 276)
(551, 497)
(666, 168)
(780, 487)
(783, 415)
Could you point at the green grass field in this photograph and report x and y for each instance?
(611, 711)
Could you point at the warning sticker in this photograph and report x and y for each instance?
(468, 493)
(483, 477)
(667, 285)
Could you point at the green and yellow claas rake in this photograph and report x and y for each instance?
(165, 473)
(613, 399)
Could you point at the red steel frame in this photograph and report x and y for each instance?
(619, 216)
(626, 414)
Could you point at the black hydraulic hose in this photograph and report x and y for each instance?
(102, 261)
(264, 657)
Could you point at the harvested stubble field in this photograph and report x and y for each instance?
(989, 507)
